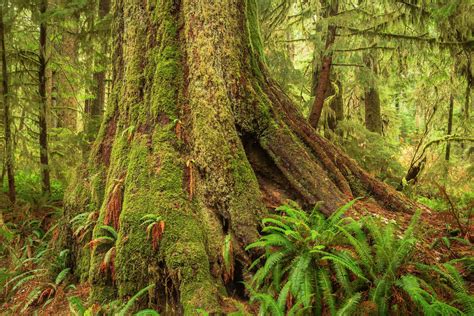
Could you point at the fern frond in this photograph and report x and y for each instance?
(336, 216)
(298, 272)
(362, 249)
(348, 263)
(326, 289)
(465, 300)
(343, 278)
(133, 299)
(349, 305)
(271, 261)
(61, 276)
(110, 230)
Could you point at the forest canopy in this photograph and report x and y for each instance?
(241, 157)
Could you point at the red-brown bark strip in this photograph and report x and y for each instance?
(324, 80)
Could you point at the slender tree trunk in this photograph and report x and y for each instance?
(43, 128)
(373, 116)
(337, 106)
(324, 81)
(9, 164)
(95, 107)
(467, 103)
(450, 127)
(67, 106)
(469, 84)
(196, 132)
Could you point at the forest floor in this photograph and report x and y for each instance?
(434, 225)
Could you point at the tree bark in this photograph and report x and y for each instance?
(469, 84)
(42, 117)
(324, 81)
(67, 104)
(373, 116)
(194, 131)
(336, 104)
(95, 107)
(450, 127)
(337, 107)
(9, 164)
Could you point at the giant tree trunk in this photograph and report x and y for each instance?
(194, 132)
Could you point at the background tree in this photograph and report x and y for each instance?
(9, 164)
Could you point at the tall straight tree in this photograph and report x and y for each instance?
(194, 129)
(324, 80)
(95, 107)
(373, 116)
(67, 105)
(450, 127)
(6, 113)
(42, 113)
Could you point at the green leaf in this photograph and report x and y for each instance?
(61, 276)
(76, 307)
(133, 299)
(349, 305)
(110, 230)
(147, 312)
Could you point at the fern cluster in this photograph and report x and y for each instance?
(315, 265)
(116, 308)
(30, 263)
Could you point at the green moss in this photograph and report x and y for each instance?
(154, 186)
(165, 63)
(255, 37)
(97, 191)
(116, 171)
(246, 205)
(82, 264)
(102, 294)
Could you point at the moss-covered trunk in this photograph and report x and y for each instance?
(195, 131)
(373, 114)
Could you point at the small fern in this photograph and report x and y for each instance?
(155, 227)
(295, 244)
(329, 265)
(107, 240)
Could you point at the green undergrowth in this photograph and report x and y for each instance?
(309, 265)
(117, 308)
(28, 187)
(339, 266)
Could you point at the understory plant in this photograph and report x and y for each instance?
(106, 239)
(33, 268)
(314, 265)
(294, 264)
(116, 308)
